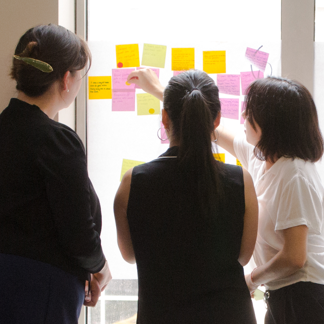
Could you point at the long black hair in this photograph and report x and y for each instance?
(192, 103)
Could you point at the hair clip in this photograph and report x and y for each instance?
(40, 65)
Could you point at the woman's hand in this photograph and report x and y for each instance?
(103, 277)
(91, 297)
(148, 81)
(251, 286)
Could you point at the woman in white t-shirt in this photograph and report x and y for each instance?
(283, 140)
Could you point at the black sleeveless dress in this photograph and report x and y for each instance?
(187, 263)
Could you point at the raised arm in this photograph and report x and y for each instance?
(250, 220)
(148, 81)
(225, 139)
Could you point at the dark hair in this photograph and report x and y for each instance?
(286, 113)
(52, 44)
(192, 103)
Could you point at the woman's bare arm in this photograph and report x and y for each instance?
(250, 220)
(120, 209)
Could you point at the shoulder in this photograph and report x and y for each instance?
(297, 170)
(232, 174)
(54, 135)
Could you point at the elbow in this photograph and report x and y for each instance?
(297, 262)
(129, 258)
(244, 260)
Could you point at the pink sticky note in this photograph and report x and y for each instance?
(119, 78)
(157, 72)
(123, 100)
(229, 84)
(177, 72)
(229, 108)
(164, 136)
(257, 58)
(248, 77)
(243, 107)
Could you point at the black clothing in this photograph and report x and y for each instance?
(49, 210)
(187, 262)
(299, 303)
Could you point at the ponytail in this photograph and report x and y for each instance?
(192, 115)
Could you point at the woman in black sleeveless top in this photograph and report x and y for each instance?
(188, 221)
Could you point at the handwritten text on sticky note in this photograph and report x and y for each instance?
(229, 84)
(147, 104)
(214, 61)
(123, 101)
(183, 59)
(127, 55)
(128, 164)
(154, 55)
(248, 77)
(229, 108)
(257, 58)
(100, 87)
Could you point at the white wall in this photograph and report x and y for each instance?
(16, 17)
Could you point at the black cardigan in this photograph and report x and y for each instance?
(49, 210)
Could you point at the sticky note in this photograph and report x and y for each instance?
(123, 100)
(128, 164)
(229, 108)
(119, 78)
(157, 72)
(219, 157)
(100, 87)
(257, 58)
(177, 72)
(163, 135)
(248, 77)
(243, 107)
(183, 59)
(147, 104)
(238, 162)
(127, 56)
(229, 84)
(154, 55)
(214, 61)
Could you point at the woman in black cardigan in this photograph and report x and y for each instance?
(49, 212)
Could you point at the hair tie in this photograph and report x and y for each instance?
(193, 89)
(40, 65)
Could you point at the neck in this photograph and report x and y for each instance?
(49, 103)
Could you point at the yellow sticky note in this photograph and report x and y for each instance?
(100, 87)
(214, 61)
(154, 55)
(127, 56)
(147, 104)
(183, 59)
(128, 164)
(219, 157)
(238, 162)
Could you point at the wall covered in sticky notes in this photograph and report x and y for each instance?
(125, 127)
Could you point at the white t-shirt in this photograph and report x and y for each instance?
(289, 194)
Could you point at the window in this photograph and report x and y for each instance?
(112, 136)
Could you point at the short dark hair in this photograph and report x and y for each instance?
(286, 113)
(52, 44)
(192, 103)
